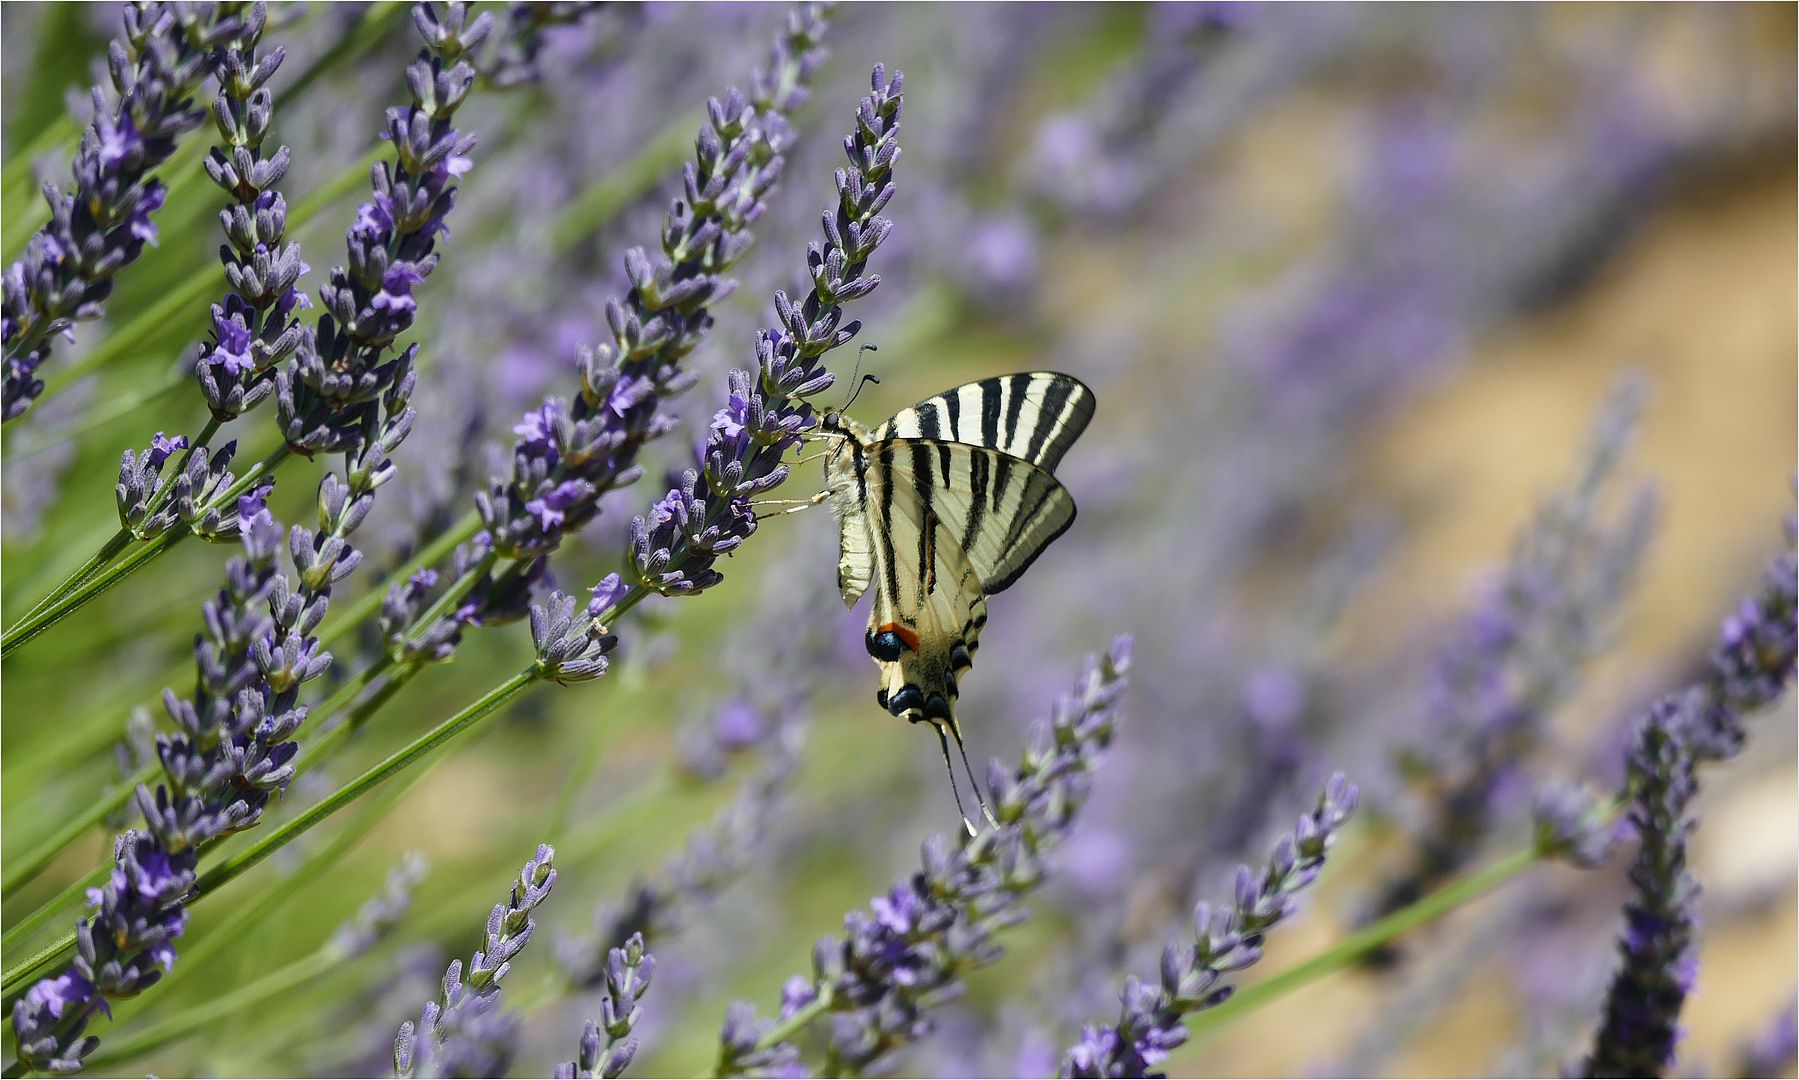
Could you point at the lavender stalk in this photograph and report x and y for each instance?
(1227, 939)
(628, 971)
(675, 548)
(254, 328)
(572, 451)
(464, 1033)
(101, 224)
(908, 952)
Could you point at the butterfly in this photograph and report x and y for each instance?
(942, 506)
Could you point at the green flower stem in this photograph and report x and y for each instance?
(108, 551)
(1364, 942)
(197, 1017)
(236, 864)
(791, 1026)
(603, 200)
(28, 867)
(244, 920)
(18, 932)
(62, 607)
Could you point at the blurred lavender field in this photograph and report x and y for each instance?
(1445, 435)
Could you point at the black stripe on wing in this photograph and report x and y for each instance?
(1034, 416)
(1002, 511)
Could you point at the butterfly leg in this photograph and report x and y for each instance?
(794, 506)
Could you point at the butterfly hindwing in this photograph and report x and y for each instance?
(1034, 416)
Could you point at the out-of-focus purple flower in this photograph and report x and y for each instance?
(1754, 658)
(1228, 939)
(464, 1033)
(101, 224)
(253, 328)
(332, 397)
(1659, 948)
(909, 950)
(628, 972)
(675, 547)
(1518, 653)
(1570, 825)
(1774, 1048)
(378, 917)
(515, 55)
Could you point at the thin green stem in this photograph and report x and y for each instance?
(1364, 942)
(29, 866)
(72, 893)
(237, 864)
(602, 201)
(108, 551)
(342, 621)
(396, 763)
(50, 614)
(197, 1017)
(791, 1026)
(34, 624)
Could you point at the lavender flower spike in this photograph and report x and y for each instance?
(1228, 938)
(465, 1034)
(102, 223)
(570, 452)
(233, 751)
(628, 972)
(254, 328)
(674, 548)
(328, 398)
(1659, 949)
(908, 951)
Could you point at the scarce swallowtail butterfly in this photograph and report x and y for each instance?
(944, 505)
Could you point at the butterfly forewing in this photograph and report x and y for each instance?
(1034, 416)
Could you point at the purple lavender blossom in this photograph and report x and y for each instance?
(675, 547)
(1638, 1034)
(909, 950)
(569, 453)
(1754, 658)
(628, 972)
(382, 913)
(233, 750)
(516, 52)
(150, 504)
(465, 1033)
(330, 398)
(254, 328)
(1228, 938)
(101, 224)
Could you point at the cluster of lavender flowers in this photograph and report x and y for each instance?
(627, 975)
(567, 453)
(254, 327)
(673, 551)
(341, 389)
(234, 749)
(1226, 938)
(465, 1033)
(100, 225)
(1751, 667)
(910, 949)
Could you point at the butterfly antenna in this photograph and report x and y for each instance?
(943, 741)
(865, 379)
(979, 798)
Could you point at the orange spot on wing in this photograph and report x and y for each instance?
(909, 636)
